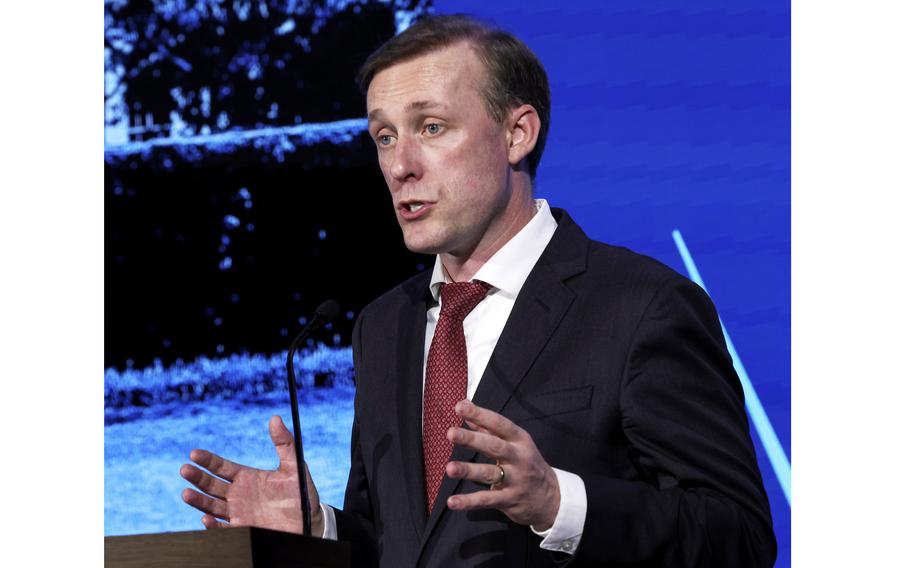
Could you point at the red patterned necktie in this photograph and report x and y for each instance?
(446, 379)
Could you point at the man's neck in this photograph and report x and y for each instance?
(461, 268)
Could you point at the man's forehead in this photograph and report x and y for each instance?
(413, 106)
(425, 81)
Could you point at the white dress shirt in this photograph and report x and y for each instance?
(506, 271)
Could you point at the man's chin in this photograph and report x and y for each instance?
(421, 248)
(419, 245)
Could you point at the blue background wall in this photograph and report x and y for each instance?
(676, 116)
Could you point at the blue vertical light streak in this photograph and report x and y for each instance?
(766, 434)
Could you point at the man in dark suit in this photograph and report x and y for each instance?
(536, 398)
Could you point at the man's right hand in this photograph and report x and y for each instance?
(245, 496)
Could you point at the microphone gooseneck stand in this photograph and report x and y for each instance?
(325, 313)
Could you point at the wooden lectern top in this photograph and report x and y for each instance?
(225, 548)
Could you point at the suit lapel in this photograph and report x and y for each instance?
(538, 311)
(412, 334)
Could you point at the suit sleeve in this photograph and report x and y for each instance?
(355, 522)
(699, 498)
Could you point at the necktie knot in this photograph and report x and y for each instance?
(459, 298)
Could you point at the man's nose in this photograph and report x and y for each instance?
(406, 161)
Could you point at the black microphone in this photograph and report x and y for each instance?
(325, 313)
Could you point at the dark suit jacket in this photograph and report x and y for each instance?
(617, 367)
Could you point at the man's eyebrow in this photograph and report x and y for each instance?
(376, 113)
(422, 105)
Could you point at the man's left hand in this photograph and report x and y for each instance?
(529, 493)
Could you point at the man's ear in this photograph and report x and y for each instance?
(524, 127)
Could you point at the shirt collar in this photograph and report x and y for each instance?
(510, 266)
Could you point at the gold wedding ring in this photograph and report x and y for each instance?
(502, 477)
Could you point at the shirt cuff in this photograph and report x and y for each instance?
(565, 534)
(330, 531)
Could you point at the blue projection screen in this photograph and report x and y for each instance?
(234, 133)
(671, 135)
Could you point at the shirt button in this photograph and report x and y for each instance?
(566, 546)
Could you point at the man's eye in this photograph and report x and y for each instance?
(385, 140)
(433, 128)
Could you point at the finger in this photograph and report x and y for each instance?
(489, 445)
(480, 500)
(473, 426)
(484, 473)
(211, 522)
(206, 504)
(284, 443)
(208, 483)
(225, 469)
(492, 422)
